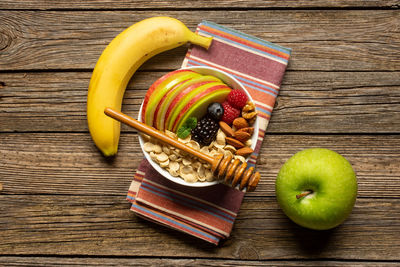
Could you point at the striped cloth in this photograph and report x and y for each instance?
(209, 213)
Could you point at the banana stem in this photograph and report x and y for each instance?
(202, 41)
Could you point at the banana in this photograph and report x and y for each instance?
(119, 61)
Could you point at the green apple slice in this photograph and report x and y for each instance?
(162, 89)
(198, 106)
(157, 109)
(175, 102)
(165, 102)
(183, 98)
(153, 87)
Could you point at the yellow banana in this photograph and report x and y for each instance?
(116, 65)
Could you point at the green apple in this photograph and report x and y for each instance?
(316, 188)
(161, 110)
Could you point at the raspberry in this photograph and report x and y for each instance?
(237, 98)
(230, 113)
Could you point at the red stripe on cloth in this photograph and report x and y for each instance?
(252, 85)
(138, 177)
(263, 115)
(170, 206)
(258, 147)
(263, 107)
(264, 97)
(131, 193)
(189, 200)
(238, 60)
(211, 232)
(172, 225)
(201, 62)
(244, 41)
(253, 157)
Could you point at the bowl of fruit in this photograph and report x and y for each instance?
(205, 108)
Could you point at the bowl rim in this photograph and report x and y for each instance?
(231, 82)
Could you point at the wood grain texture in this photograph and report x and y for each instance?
(135, 261)
(58, 163)
(62, 203)
(346, 40)
(103, 225)
(185, 4)
(309, 102)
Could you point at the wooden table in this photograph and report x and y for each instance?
(63, 203)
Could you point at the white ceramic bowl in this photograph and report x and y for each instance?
(233, 83)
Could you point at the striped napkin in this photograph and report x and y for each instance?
(209, 212)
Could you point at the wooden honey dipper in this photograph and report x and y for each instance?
(232, 173)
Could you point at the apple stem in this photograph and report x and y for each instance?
(304, 194)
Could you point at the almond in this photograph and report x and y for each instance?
(244, 151)
(234, 142)
(240, 123)
(248, 130)
(226, 128)
(242, 136)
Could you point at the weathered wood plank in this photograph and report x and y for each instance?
(70, 164)
(361, 102)
(184, 4)
(135, 261)
(103, 225)
(321, 39)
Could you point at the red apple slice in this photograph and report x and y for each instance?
(157, 111)
(161, 89)
(161, 110)
(153, 87)
(182, 98)
(197, 106)
(185, 98)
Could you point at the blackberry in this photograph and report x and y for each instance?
(205, 131)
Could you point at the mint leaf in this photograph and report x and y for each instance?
(187, 127)
(183, 132)
(191, 122)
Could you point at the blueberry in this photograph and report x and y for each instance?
(215, 110)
